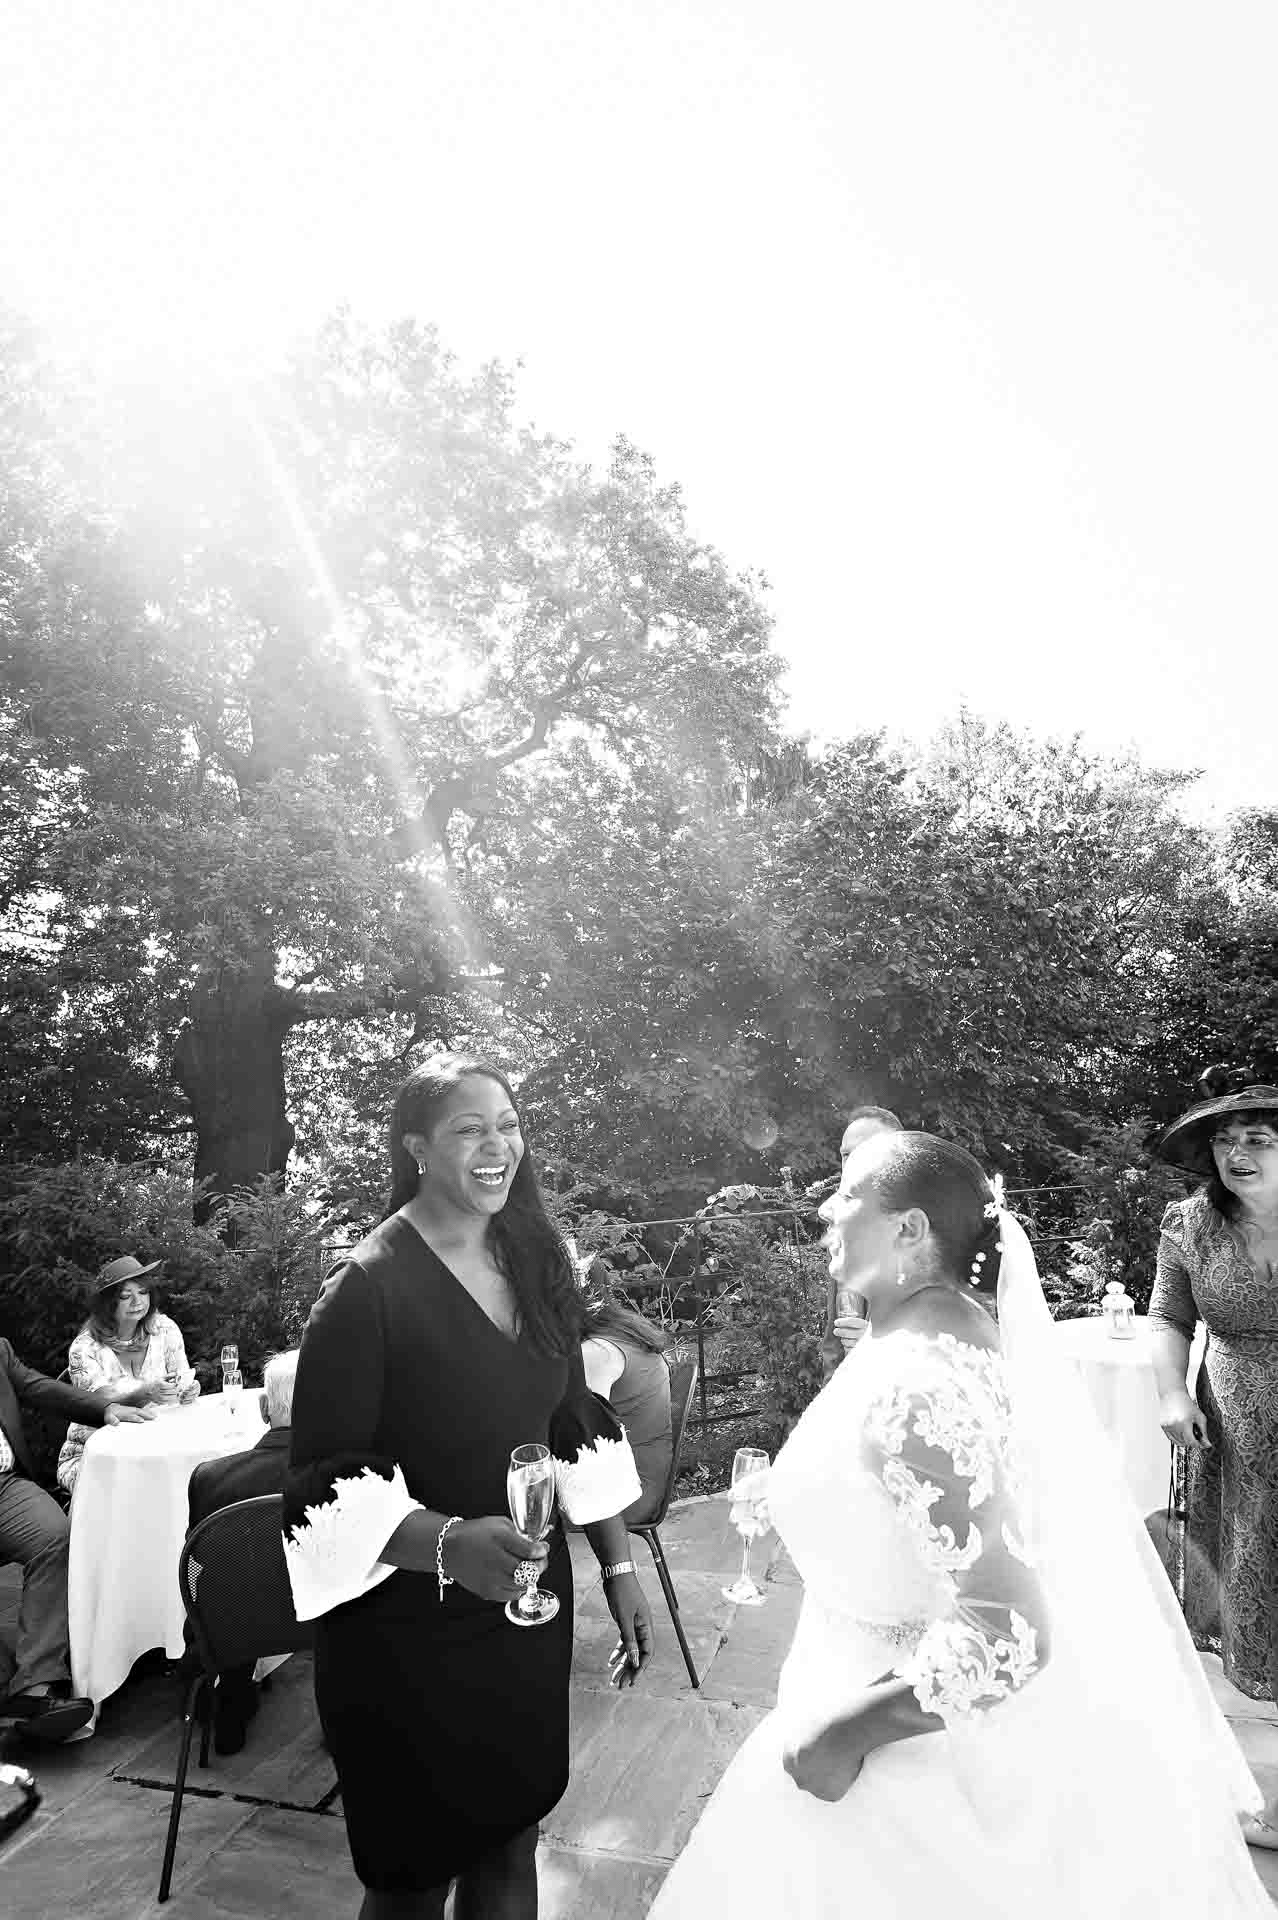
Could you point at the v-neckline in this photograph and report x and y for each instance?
(508, 1339)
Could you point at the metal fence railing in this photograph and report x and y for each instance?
(698, 1285)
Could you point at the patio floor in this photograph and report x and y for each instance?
(262, 1832)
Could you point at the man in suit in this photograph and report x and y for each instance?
(863, 1124)
(221, 1483)
(34, 1532)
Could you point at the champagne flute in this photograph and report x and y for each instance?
(232, 1388)
(530, 1495)
(230, 1359)
(750, 1523)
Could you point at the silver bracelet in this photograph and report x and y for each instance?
(445, 1579)
(619, 1567)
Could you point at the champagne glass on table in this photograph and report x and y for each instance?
(530, 1495)
(750, 1522)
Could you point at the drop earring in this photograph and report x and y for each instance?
(900, 1276)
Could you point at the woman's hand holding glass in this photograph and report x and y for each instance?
(749, 1496)
(483, 1556)
(530, 1492)
(750, 1516)
(850, 1322)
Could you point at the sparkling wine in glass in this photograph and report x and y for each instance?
(230, 1358)
(530, 1495)
(750, 1524)
(232, 1390)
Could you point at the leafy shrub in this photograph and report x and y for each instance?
(771, 1315)
(248, 1275)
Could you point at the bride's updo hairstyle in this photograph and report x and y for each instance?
(918, 1170)
(524, 1240)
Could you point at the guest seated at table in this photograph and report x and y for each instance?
(33, 1535)
(221, 1483)
(126, 1342)
(624, 1358)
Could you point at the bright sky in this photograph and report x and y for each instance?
(956, 318)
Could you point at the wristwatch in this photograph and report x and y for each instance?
(619, 1567)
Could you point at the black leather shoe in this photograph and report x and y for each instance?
(231, 1716)
(51, 1716)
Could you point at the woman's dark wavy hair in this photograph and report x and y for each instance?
(606, 1318)
(101, 1320)
(920, 1170)
(525, 1241)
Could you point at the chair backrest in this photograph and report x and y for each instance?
(683, 1385)
(235, 1587)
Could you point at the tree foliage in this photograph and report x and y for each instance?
(350, 716)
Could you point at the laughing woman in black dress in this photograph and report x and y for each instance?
(448, 1338)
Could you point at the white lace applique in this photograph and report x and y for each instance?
(940, 1441)
(915, 1498)
(957, 1670)
(968, 1417)
(332, 1557)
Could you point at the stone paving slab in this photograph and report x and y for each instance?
(591, 1886)
(284, 1758)
(642, 1770)
(705, 1615)
(290, 1866)
(100, 1858)
(746, 1667)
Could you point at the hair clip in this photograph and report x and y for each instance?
(994, 1205)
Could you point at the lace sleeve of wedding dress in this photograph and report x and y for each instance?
(938, 1440)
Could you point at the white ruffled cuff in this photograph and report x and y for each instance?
(602, 1481)
(333, 1556)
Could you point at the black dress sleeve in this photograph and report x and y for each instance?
(342, 1499)
(595, 1472)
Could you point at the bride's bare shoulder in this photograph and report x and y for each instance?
(942, 1310)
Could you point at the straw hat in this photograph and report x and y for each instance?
(116, 1272)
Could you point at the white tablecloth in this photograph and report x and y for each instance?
(1120, 1378)
(128, 1522)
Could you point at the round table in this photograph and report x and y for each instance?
(128, 1521)
(1120, 1379)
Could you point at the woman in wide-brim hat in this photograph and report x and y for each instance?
(1218, 1262)
(125, 1336)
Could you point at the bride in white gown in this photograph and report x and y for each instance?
(991, 1707)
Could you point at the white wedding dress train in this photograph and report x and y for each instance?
(1029, 1806)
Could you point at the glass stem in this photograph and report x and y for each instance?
(745, 1559)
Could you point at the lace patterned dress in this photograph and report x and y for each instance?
(1228, 1559)
(900, 1499)
(93, 1364)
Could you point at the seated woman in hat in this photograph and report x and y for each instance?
(1218, 1262)
(125, 1336)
